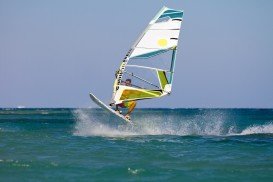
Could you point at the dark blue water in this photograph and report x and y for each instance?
(163, 145)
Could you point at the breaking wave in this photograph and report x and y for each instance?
(262, 129)
(211, 124)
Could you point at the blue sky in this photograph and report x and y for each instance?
(53, 53)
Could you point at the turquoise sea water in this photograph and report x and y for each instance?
(164, 145)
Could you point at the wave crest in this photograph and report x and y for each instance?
(214, 124)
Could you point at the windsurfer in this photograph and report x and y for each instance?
(129, 104)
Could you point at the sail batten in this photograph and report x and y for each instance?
(146, 67)
(152, 60)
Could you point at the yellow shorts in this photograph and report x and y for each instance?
(126, 104)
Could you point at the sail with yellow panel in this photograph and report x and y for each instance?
(150, 62)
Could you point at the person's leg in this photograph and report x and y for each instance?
(131, 108)
(117, 109)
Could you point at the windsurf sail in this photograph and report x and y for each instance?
(150, 62)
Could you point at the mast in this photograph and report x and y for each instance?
(173, 65)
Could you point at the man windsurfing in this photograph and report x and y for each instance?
(128, 104)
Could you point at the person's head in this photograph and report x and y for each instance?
(128, 82)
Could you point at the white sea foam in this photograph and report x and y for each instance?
(135, 171)
(86, 125)
(256, 129)
(21, 107)
(214, 124)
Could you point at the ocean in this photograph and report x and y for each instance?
(162, 145)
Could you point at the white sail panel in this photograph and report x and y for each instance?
(155, 40)
(170, 24)
(158, 36)
(159, 39)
